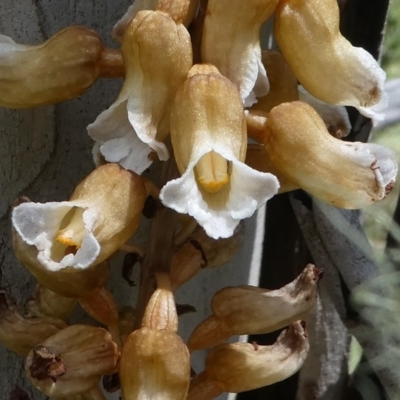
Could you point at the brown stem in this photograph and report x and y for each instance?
(196, 31)
(111, 64)
(158, 254)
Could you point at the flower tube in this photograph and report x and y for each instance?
(324, 62)
(343, 174)
(231, 41)
(208, 132)
(59, 69)
(102, 214)
(158, 55)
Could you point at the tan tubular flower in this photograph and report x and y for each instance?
(72, 361)
(324, 62)
(181, 11)
(60, 69)
(344, 174)
(208, 133)
(257, 158)
(238, 367)
(158, 55)
(103, 213)
(155, 362)
(21, 334)
(246, 310)
(231, 41)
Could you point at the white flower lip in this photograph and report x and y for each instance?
(118, 141)
(37, 224)
(220, 213)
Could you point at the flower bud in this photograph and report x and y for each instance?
(181, 11)
(155, 361)
(45, 302)
(324, 62)
(59, 69)
(208, 134)
(231, 42)
(103, 213)
(344, 174)
(238, 367)
(21, 334)
(157, 54)
(72, 361)
(246, 310)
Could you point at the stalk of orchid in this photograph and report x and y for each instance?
(191, 121)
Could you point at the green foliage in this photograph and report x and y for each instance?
(391, 48)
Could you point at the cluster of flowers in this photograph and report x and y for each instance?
(201, 115)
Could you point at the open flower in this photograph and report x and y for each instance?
(324, 62)
(157, 54)
(103, 213)
(208, 132)
(231, 41)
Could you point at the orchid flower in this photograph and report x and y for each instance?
(208, 132)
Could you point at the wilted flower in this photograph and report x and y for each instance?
(344, 174)
(102, 214)
(72, 361)
(208, 132)
(324, 62)
(238, 367)
(249, 310)
(59, 69)
(231, 41)
(157, 54)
